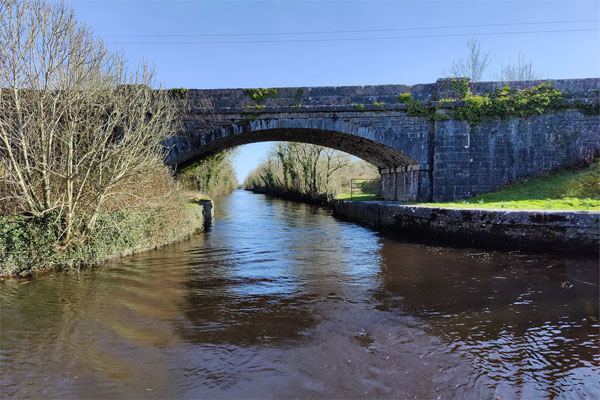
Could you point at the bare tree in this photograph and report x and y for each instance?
(473, 65)
(74, 123)
(334, 161)
(521, 71)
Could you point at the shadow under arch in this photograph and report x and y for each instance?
(198, 146)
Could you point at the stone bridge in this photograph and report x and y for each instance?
(419, 159)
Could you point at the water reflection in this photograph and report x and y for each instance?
(281, 300)
(528, 323)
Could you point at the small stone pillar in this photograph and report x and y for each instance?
(407, 183)
(388, 184)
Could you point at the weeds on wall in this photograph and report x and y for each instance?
(415, 108)
(261, 95)
(503, 103)
(507, 103)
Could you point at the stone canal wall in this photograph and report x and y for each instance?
(555, 231)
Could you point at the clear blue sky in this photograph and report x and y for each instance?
(362, 62)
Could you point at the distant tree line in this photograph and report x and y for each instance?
(307, 171)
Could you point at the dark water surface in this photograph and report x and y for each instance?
(281, 300)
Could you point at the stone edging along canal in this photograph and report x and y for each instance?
(550, 231)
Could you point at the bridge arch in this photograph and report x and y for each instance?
(362, 142)
(401, 173)
(424, 159)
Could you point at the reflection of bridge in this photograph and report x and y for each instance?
(419, 159)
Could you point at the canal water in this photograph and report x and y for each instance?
(281, 300)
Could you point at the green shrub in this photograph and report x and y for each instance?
(475, 110)
(461, 87)
(587, 109)
(415, 108)
(213, 175)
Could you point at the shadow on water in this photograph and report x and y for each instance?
(278, 299)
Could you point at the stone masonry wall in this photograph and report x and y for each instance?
(556, 231)
(470, 161)
(419, 159)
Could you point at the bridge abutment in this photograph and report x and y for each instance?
(410, 183)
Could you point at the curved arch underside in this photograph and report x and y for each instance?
(373, 152)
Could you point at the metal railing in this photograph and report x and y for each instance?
(365, 187)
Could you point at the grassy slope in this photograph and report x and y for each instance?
(562, 190)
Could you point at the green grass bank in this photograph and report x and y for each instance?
(572, 189)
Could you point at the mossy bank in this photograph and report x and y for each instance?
(29, 246)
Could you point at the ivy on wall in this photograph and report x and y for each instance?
(415, 108)
(507, 103)
(502, 103)
(261, 95)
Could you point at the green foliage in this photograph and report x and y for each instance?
(307, 171)
(438, 116)
(475, 110)
(213, 175)
(257, 111)
(503, 103)
(359, 106)
(31, 244)
(415, 108)
(405, 98)
(507, 102)
(445, 102)
(461, 87)
(260, 95)
(357, 197)
(379, 105)
(257, 107)
(178, 93)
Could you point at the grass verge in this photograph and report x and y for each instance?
(573, 189)
(562, 190)
(356, 197)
